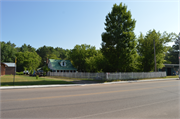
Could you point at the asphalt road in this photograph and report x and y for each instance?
(152, 100)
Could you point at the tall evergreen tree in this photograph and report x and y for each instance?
(118, 42)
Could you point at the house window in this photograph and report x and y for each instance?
(63, 63)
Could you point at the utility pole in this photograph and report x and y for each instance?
(154, 54)
(178, 41)
(14, 72)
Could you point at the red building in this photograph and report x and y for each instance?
(8, 68)
(3, 68)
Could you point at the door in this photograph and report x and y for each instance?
(168, 71)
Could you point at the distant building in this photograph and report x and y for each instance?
(3, 68)
(61, 66)
(171, 69)
(9, 68)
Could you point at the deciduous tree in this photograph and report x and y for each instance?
(8, 52)
(46, 52)
(79, 54)
(27, 60)
(145, 49)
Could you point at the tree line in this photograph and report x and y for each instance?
(121, 50)
(28, 58)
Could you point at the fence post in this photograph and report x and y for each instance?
(116, 75)
(132, 75)
(143, 75)
(120, 75)
(106, 75)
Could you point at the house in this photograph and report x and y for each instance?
(10, 68)
(171, 69)
(61, 66)
(3, 68)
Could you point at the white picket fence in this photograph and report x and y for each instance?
(109, 76)
(134, 75)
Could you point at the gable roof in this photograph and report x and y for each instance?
(3, 64)
(56, 65)
(10, 64)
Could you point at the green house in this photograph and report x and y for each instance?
(61, 66)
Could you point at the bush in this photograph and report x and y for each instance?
(37, 76)
(44, 74)
(20, 73)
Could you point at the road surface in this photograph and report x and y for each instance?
(143, 100)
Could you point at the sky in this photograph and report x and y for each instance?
(66, 23)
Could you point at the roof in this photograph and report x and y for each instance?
(171, 64)
(3, 63)
(60, 65)
(10, 64)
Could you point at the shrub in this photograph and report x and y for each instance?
(44, 73)
(20, 73)
(37, 76)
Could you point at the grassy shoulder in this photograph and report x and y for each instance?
(7, 80)
(177, 76)
(20, 80)
(68, 78)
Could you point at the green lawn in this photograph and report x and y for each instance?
(172, 76)
(67, 78)
(7, 80)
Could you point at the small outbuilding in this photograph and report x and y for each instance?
(3, 68)
(171, 69)
(10, 68)
(61, 66)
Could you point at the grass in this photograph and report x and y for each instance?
(68, 79)
(7, 80)
(177, 76)
(20, 80)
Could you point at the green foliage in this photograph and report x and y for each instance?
(95, 63)
(46, 69)
(118, 42)
(44, 73)
(20, 73)
(37, 77)
(79, 54)
(8, 52)
(145, 49)
(45, 52)
(171, 57)
(67, 57)
(51, 53)
(27, 60)
(61, 53)
(31, 72)
(25, 48)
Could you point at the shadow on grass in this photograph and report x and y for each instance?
(34, 83)
(43, 82)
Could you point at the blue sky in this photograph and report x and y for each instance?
(60, 23)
